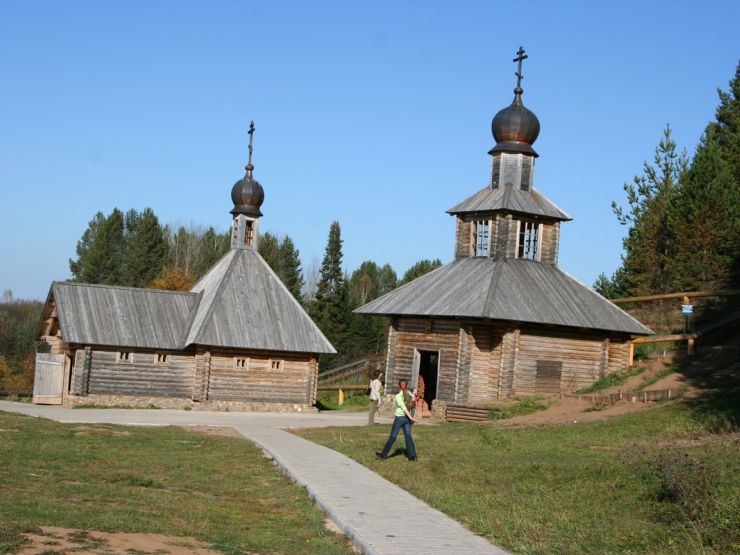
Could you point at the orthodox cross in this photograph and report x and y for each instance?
(250, 167)
(520, 57)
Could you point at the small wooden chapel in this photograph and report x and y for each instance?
(503, 319)
(238, 340)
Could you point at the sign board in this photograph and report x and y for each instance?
(687, 309)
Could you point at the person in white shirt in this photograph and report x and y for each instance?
(375, 387)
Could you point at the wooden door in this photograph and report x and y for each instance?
(48, 382)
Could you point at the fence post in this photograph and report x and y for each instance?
(340, 402)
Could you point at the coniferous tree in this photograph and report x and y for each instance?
(330, 308)
(419, 269)
(146, 248)
(648, 241)
(269, 248)
(289, 267)
(100, 250)
(213, 246)
(705, 214)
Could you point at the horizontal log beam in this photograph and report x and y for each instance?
(684, 295)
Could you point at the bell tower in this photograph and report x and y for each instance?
(510, 219)
(247, 195)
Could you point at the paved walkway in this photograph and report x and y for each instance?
(378, 516)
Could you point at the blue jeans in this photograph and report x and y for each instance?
(398, 423)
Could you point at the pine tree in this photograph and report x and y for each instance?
(100, 251)
(419, 269)
(213, 246)
(330, 308)
(146, 248)
(269, 249)
(705, 214)
(648, 240)
(289, 267)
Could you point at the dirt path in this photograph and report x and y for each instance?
(50, 541)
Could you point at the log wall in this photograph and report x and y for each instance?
(141, 374)
(581, 357)
(425, 335)
(485, 362)
(258, 381)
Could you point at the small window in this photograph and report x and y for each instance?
(248, 232)
(124, 356)
(528, 240)
(161, 358)
(276, 364)
(481, 237)
(241, 362)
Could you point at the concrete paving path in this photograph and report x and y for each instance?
(378, 516)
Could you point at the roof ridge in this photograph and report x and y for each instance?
(543, 195)
(604, 299)
(209, 308)
(190, 320)
(292, 298)
(495, 277)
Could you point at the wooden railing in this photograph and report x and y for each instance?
(685, 296)
(690, 338)
(341, 389)
(353, 369)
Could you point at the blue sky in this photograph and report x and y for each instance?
(374, 114)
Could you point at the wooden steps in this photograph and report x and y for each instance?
(468, 413)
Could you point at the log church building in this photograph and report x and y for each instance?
(237, 340)
(503, 319)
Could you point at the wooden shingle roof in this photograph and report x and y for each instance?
(123, 316)
(240, 303)
(506, 289)
(510, 199)
(245, 304)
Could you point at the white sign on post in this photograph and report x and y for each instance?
(687, 309)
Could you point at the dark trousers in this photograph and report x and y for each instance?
(398, 423)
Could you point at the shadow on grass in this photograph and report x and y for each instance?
(715, 370)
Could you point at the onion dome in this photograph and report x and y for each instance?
(247, 193)
(515, 128)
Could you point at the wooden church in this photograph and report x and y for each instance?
(237, 340)
(503, 319)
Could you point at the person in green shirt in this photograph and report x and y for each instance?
(402, 421)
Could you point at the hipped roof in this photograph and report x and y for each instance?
(505, 289)
(240, 303)
(510, 199)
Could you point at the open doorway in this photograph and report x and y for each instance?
(425, 375)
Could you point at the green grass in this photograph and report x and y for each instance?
(169, 481)
(648, 482)
(611, 380)
(520, 407)
(354, 401)
(665, 372)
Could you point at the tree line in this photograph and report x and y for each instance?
(683, 213)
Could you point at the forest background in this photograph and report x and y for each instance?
(682, 215)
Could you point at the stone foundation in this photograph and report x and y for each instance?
(439, 409)
(128, 401)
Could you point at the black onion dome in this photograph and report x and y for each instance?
(515, 128)
(247, 195)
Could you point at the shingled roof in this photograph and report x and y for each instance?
(239, 303)
(510, 199)
(505, 289)
(245, 305)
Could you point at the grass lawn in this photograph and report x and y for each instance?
(158, 480)
(649, 482)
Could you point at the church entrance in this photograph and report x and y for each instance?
(424, 377)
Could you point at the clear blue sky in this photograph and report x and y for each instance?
(376, 114)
